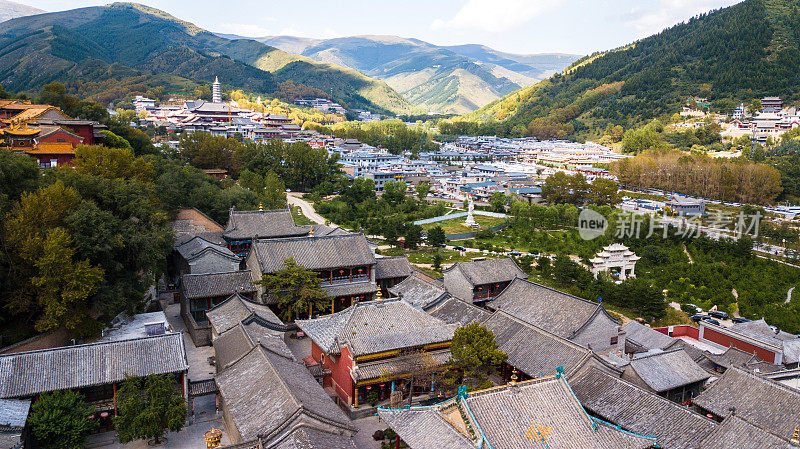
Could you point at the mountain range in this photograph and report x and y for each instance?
(11, 10)
(439, 79)
(731, 55)
(111, 51)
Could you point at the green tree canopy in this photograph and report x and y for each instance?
(60, 420)
(148, 407)
(297, 289)
(436, 236)
(474, 350)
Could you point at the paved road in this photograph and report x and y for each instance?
(294, 199)
(789, 295)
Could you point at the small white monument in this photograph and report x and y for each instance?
(613, 257)
(470, 223)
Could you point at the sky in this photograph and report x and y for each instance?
(516, 26)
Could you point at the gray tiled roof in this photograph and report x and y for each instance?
(392, 267)
(455, 311)
(239, 340)
(376, 326)
(505, 414)
(195, 246)
(418, 291)
(534, 351)
(27, 374)
(398, 365)
(640, 411)
(209, 285)
(314, 253)
(14, 412)
(425, 428)
(738, 433)
(546, 308)
(307, 437)
(489, 271)
(668, 370)
(774, 406)
(235, 309)
(646, 336)
(350, 288)
(511, 417)
(760, 331)
(731, 357)
(251, 225)
(264, 391)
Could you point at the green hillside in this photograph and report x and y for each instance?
(438, 79)
(731, 55)
(125, 44)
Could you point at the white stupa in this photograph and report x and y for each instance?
(470, 223)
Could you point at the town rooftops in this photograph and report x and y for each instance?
(736, 432)
(638, 410)
(236, 309)
(668, 370)
(267, 394)
(262, 224)
(27, 374)
(489, 271)
(535, 414)
(774, 406)
(534, 351)
(376, 326)
(761, 333)
(646, 337)
(210, 285)
(562, 314)
(314, 253)
(197, 246)
(392, 267)
(418, 291)
(239, 340)
(455, 311)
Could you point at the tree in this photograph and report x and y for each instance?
(394, 192)
(148, 407)
(498, 201)
(112, 163)
(413, 236)
(474, 350)
(642, 139)
(437, 261)
(436, 236)
(604, 192)
(423, 189)
(60, 420)
(114, 141)
(296, 287)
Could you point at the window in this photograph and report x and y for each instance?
(614, 340)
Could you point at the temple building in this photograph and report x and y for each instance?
(578, 320)
(540, 413)
(480, 281)
(615, 259)
(245, 227)
(672, 374)
(201, 292)
(95, 370)
(371, 349)
(345, 265)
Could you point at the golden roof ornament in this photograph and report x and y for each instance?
(514, 377)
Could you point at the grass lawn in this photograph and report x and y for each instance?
(455, 225)
(425, 256)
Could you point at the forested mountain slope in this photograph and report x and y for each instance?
(735, 54)
(105, 50)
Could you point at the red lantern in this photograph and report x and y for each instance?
(360, 270)
(369, 387)
(383, 385)
(104, 415)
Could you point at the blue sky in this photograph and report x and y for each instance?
(518, 26)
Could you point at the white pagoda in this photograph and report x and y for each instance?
(216, 91)
(615, 258)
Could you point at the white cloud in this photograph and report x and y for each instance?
(495, 16)
(244, 29)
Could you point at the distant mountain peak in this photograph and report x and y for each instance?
(12, 10)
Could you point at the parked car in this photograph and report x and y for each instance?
(719, 314)
(695, 306)
(699, 317)
(514, 253)
(740, 320)
(459, 248)
(711, 320)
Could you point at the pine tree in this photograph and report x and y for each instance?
(148, 407)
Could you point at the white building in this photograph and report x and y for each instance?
(615, 259)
